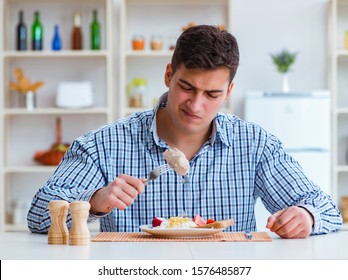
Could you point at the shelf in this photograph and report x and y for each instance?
(345, 226)
(55, 111)
(342, 53)
(29, 169)
(147, 53)
(53, 1)
(341, 111)
(23, 132)
(55, 54)
(342, 168)
(176, 2)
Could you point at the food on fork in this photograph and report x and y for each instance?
(177, 160)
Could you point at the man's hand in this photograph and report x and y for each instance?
(292, 222)
(119, 194)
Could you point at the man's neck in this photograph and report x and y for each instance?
(189, 144)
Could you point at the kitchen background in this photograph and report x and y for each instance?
(106, 76)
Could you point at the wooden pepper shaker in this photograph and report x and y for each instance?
(79, 232)
(58, 232)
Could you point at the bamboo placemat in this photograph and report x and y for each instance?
(144, 237)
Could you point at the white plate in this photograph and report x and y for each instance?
(180, 232)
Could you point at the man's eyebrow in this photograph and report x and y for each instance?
(192, 86)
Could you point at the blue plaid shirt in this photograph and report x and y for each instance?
(239, 163)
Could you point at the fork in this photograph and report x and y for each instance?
(158, 171)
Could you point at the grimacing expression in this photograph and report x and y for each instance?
(195, 96)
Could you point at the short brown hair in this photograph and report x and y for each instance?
(206, 47)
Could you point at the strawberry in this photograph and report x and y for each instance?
(210, 221)
(157, 221)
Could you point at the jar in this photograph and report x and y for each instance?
(172, 43)
(346, 39)
(138, 43)
(136, 90)
(156, 43)
(20, 210)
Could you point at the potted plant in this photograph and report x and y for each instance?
(283, 61)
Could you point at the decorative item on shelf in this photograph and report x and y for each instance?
(56, 40)
(136, 90)
(344, 208)
(190, 24)
(172, 42)
(20, 208)
(221, 27)
(54, 155)
(346, 39)
(21, 32)
(37, 33)
(283, 61)
(73, 95)
(76, 36)
(156, 43)
(138, 43)
(95, 32)
(25, 89)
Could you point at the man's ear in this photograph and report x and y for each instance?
(168, 74)
(229, 90)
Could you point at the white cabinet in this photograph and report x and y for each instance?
(338, 25)
(164, 19)
(24, 132)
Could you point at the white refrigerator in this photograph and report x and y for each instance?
(301, 121)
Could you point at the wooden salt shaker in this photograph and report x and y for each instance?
(79, 232)
(58, 232)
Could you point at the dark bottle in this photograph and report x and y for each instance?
(37, 33)
(95, 32)
(56, 41)
(76, 40)
(21, 42)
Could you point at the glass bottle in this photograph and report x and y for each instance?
(21, 31)
(56, 41)
(76, 40)
(37, 32)
(95, 32)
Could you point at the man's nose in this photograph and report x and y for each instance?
(196, 102)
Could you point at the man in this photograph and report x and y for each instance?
(232, 162)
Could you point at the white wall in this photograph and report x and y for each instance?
(264, 27)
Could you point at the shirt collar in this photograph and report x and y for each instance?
(218, 132)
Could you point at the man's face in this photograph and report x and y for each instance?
(195, 96)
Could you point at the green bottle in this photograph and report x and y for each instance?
(95, 32)
(37, 33)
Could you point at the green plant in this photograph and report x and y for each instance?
(284, 60)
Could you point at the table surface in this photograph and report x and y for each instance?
(28, 246)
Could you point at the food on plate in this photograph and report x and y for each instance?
(180, 222)
(199, 220)
(177, 160)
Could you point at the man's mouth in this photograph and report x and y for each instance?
(190, 115)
